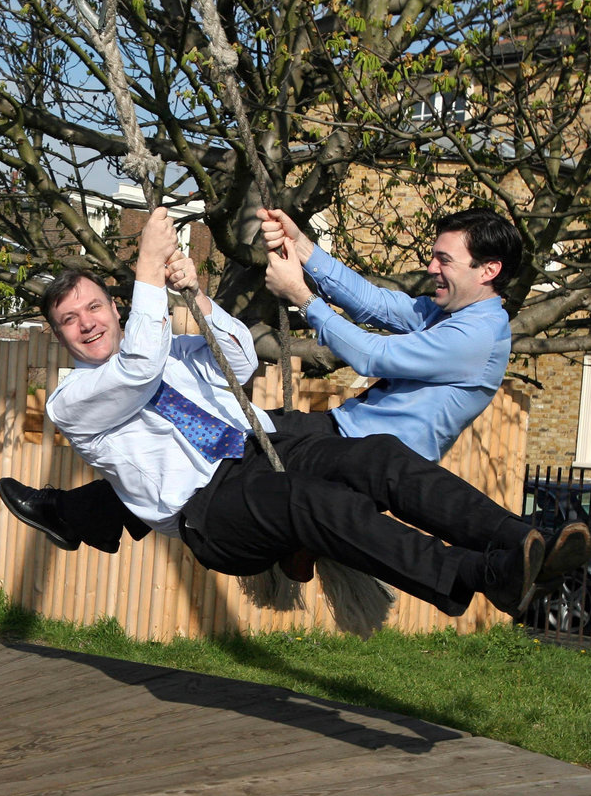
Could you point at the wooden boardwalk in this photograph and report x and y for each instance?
(80, 724)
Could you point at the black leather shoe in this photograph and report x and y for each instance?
(567, 550)
(39, 509)
(510, 574)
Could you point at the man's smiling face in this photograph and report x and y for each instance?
(457, 284)
(86, 323)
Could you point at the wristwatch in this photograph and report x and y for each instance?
(303, 310)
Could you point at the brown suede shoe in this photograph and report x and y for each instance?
(568, 549)
(510, 574)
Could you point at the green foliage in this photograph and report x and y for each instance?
(329, 90)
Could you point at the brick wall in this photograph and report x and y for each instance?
(554, 413)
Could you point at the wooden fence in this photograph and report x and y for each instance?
(155, 588)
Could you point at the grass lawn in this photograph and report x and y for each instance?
(500, 684)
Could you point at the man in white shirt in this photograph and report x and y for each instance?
(236, 514)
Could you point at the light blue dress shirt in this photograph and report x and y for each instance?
(104, 412)
(439, 378)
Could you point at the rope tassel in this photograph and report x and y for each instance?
(358, 603)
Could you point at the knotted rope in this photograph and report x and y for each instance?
(138, 163)
(225, 59)
(358, 602)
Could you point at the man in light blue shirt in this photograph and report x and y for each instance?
(446, 356)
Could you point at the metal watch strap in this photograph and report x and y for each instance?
(303, 310)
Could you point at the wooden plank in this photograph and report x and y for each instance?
(75, 724)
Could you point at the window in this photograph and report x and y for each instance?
(583, 453)
(452, 107)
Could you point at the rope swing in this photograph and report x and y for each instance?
(358, 602)
(138, 164)
(225, 59)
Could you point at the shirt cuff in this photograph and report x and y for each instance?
(319, 264)
(319, 313)
(220, 319)
(150, 300)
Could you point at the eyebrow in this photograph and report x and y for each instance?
(75, 311)
(438, 253)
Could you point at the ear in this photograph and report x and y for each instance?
(491, 269)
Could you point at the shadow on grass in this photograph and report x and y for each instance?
(16, 622)
(107, 638)
(250, 652)
(257, 660)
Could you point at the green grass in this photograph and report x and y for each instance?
(500, 684)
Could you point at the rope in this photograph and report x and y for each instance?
(226, 61)
(235, 386)
(138, 164)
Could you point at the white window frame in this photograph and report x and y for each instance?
(583, 450)
(422, 112)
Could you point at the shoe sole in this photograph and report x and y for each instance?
(533, 560)
(56, 540)
(571, 551)
(544, 588)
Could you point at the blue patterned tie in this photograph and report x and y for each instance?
(213, 438)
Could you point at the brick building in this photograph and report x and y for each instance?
(560, 407)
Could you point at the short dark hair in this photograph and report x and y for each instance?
(63, 284)
(488, 236)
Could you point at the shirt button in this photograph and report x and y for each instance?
(315, 270)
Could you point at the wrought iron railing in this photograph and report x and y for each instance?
(551, 498)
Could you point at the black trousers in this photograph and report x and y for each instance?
(330, 500)
(96, 516)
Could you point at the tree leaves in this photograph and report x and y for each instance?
(381, 120)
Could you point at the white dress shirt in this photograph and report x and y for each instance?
(104, 411)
